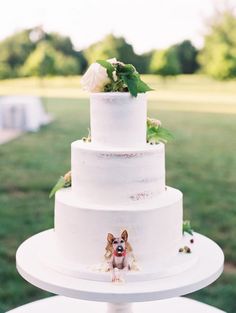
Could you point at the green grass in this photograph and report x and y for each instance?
(200, 161)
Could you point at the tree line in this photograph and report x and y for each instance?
(33, 52)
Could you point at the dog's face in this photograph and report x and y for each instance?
(118, 243)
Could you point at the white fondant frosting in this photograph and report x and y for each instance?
(118, 119)
(154, 233)
(117, 177)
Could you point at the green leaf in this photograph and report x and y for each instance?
(127, 69)
(131, 82)
(143, 87)
(108, 66)
(187, 227)
(156, 134)
(60, 184)
(164, 134)
(127, 76)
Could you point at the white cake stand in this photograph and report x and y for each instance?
(60, 304)
(120, 296)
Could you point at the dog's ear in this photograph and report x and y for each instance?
(110, 238)
(124, 235)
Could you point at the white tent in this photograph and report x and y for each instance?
(24, 113)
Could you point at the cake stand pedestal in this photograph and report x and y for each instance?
(60, 304)
(120, 296)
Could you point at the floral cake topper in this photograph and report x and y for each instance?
(113, 76)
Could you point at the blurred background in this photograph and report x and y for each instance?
(186, 50)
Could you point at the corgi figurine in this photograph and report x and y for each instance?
(117, 254)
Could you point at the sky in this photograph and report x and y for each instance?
(146, 24)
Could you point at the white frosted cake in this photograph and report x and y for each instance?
(115, 218)
(118, 183)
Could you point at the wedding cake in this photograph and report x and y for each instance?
(118, 206)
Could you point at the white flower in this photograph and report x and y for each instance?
(114, 75)
(95, 78)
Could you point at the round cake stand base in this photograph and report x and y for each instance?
(206, 270)
(61, 304)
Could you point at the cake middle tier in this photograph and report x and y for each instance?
(117, 177)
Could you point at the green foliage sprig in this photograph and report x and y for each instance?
(63, 182)
(156, 133)
(124, 77)
(187, 227)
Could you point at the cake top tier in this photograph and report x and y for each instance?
(118, 119)
(118, 105)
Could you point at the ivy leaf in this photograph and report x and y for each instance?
(108, 66)
(187, 228)
(131, 82)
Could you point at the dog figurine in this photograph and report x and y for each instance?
(117, 255)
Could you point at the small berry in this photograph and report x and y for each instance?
(181, 250)
(191, 240)
(187, 249)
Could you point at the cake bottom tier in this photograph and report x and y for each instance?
(154, 233)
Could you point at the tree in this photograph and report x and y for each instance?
(66, 65)
(218, 57)
(17, 55)
(187, 56)
(60, 43)
(144, 62)
(5, 70)
(15, 49)
(111, 47)
(165, 63)
(41, 62)
(83, 64)
(64, 45)
(45, 60)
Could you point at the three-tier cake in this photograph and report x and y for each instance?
(118, 182)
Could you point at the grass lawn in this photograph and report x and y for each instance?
(200, 161)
